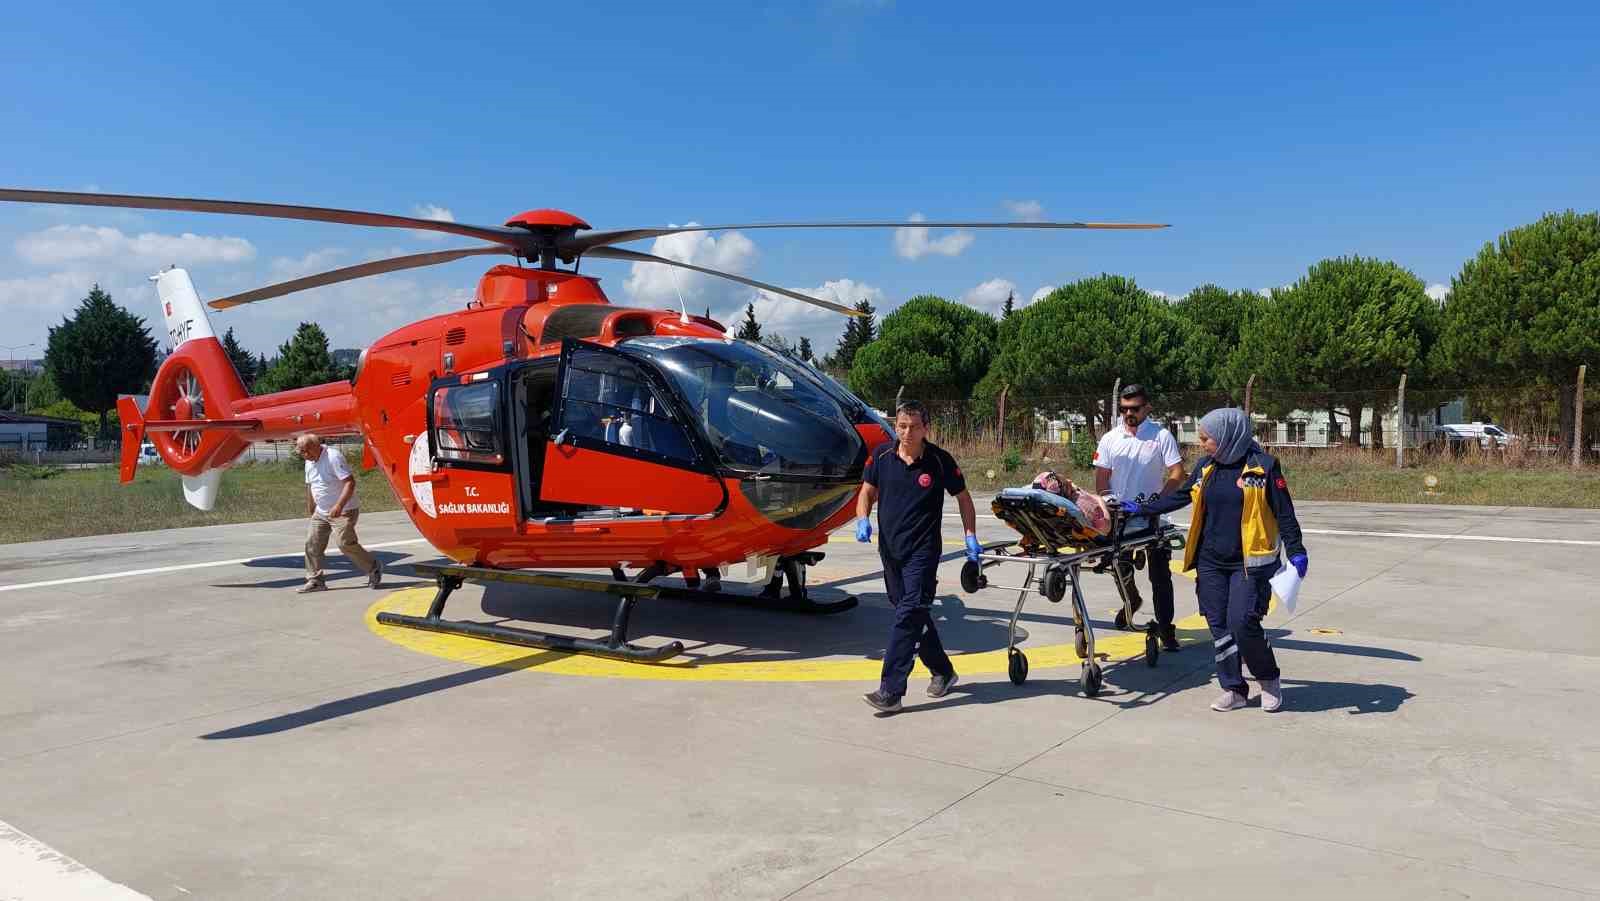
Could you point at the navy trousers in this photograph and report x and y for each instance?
(1233, 603)
(1158, 564)
(912, 634)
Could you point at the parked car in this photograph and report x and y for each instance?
(148, 455)
(1485, 435)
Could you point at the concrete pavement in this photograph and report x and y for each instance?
(198, 730)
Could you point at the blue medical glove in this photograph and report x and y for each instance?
(1299, 562)
(1131, 508)
(973, 548)
(864, 529)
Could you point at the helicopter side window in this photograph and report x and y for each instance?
(466, 423)
(607, 401)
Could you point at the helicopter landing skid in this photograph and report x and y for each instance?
(791, 569)
(616, 646)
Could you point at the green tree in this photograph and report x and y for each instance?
(935, 348)
(1219, 317)
(805, 350)
(302, 360)
(749, 329)
(859, 331)
(1010, 307)
(243, 363)
(1348, 328)
(1075, 344)
(102, 351)
(1526, 309)
(778, 343)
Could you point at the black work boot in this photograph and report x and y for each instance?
(1169, 638)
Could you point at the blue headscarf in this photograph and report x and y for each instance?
(1230, 428)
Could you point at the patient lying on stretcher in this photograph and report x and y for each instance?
(1082, 513)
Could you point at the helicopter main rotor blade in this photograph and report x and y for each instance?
(582, 243)
(360, 270)
(620, 253)
(500, 235)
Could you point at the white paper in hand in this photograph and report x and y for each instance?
(1286, 588)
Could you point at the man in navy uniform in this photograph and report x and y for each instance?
(908, 479)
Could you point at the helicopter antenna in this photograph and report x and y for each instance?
(683, 311)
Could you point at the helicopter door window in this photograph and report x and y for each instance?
(466, 423)
(608, 402)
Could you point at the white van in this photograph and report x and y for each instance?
(1485, 435)
(148, 455)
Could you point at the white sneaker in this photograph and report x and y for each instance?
(1271, 695)
(1229, 700)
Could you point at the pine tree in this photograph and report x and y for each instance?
(750, 329)
(805, 350)
(243, 363)
(1011, 305)
(102, 351)
(858, 333)
(302, 360)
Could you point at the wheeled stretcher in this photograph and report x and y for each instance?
(1058, 539)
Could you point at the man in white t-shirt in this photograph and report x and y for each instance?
(1136, 460)
(331, 504)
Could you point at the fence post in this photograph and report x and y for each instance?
(1111, 414)
(1400, 428)
(1000, 424)
(897, 395)
(1577, 420)
(1249, 390)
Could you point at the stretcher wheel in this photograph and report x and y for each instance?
(1152, 649)
(972, 577)
(1055, 585)
(1017, 667)
(1080, 642)
(1089, 679)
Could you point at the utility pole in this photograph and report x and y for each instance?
(1400, 428)
(12, 372)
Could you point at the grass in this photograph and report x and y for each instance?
(1347, 475)
(43, 503)
(76, 502)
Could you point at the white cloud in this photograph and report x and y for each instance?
(655, 285)
(1026, 210)
(284, 268)
(911, 243)
(793, 319)
(1169, 298)
(990, 296)
(1041, 294)
(1438, 292)
(35, 304)
(436, 213)
(78, 243)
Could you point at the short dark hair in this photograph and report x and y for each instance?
(1134, 390)
(912, 408)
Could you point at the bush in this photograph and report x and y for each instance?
(1012, 461)
(1082, 449)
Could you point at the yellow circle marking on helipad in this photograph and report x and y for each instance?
(414, 601)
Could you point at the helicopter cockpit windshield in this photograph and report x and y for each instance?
(760, 412)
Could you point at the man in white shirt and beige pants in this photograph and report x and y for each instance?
(1136, 460)
(331, 504)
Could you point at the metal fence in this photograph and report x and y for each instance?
(1520, 423)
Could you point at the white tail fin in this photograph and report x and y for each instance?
(201, 490)
(185, 315)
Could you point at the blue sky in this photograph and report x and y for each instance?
(1270, 136)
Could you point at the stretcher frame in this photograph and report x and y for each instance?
(1057, 574)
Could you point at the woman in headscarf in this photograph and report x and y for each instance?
(1242, 516)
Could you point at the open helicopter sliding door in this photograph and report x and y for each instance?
(469, 484)
(617, 441)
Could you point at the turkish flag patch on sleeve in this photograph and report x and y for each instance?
(1282, 485)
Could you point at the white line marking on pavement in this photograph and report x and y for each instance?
(177, 568)
(34, 871)
(1434, 536)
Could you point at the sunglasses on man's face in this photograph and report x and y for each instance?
(1132, 409)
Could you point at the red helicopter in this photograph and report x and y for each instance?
(542, 425)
